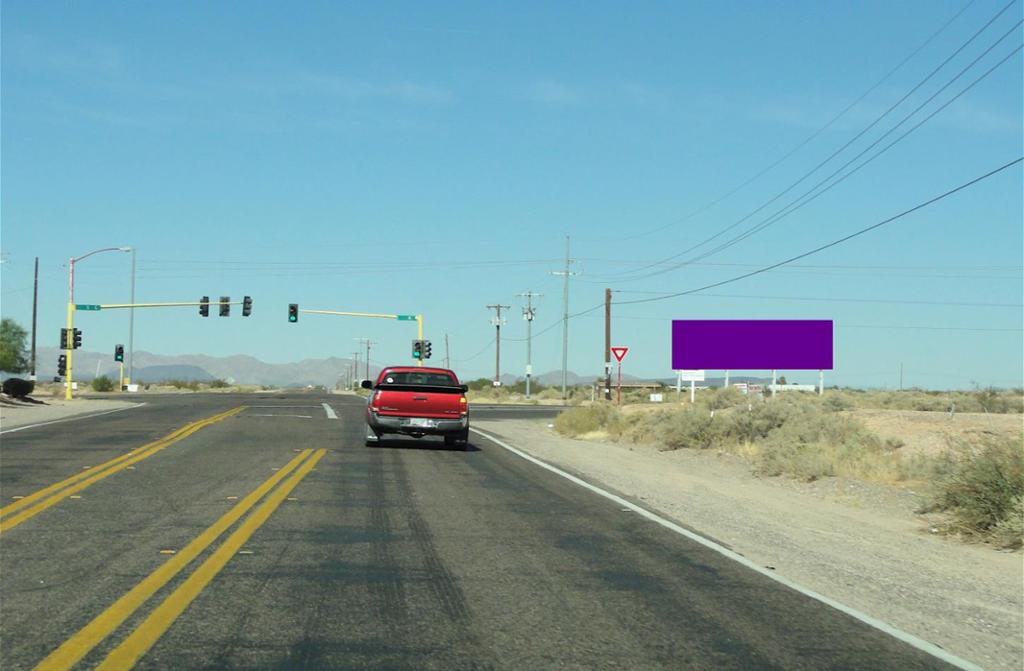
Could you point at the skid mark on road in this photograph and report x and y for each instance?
(384, 575)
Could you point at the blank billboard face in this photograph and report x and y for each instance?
(747, 344)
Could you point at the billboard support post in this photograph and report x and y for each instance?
(821, 383)
(774, 382)
(726, 378)
(693, 391)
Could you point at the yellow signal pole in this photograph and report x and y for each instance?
(419, 334)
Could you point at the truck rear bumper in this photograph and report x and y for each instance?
(415, 426)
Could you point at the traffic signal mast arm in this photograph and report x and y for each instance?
(402, 318)
(114, 306)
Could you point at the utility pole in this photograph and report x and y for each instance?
(901, 376)
(355, 363)
(447, 359)
(607, 344)
(497, 321)
(566, 274)
(528, 314)
(368, 343)
(35, 307)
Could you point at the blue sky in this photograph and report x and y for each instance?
(432, 159)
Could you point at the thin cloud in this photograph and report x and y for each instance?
(553, 93)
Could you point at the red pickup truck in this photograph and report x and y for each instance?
(417, 402)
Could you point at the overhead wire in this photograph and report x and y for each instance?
(835, 153)
(839, 241)
(810, 137)
(809, 196)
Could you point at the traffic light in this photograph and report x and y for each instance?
(426, 349)
(293, 312)
(62, 365)
(225, 306)
(64, 339)
(417, 349)
(119, 353)
(246, 306)
(204, 306)
(76, 338)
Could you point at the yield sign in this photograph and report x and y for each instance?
(620, 353)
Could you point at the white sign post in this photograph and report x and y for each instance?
(620, 354)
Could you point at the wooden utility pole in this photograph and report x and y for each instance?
(497, 340)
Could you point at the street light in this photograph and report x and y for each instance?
(71, 301)
(131, 320)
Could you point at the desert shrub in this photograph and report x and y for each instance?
(727, 397)
(587, 418)
(219, 384)
(983, 489)
(102, 383)
(837, 402)
(693, 429)
(1009, 531)
(811, 444)
(181, 384)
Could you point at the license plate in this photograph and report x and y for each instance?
(422, 422)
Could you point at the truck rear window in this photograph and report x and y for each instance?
(418, 379)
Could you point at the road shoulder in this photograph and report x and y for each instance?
(17, 415)
(867, 551)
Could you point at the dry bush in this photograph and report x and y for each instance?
(587, 419)
(982, 491)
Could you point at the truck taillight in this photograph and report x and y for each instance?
(463, 406)
(374, 400)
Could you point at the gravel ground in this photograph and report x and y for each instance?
(17, 413)
(858, 543)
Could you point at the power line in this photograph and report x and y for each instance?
(834, 242)
(851, 141)
(810, 137)
(795, 205)
(847, 300)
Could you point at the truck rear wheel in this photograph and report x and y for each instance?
(457, 440)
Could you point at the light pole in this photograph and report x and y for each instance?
(528, 314)
(71, 309)
(131, 322)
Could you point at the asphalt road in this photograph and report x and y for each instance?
(406, 555)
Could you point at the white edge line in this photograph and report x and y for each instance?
(330, 411)
(68, 419)
(909, 639)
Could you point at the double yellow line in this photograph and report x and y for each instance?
(146, 634)
(23, 509)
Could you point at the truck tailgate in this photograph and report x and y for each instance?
(420, 403)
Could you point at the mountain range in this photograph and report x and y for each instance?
(241, 369)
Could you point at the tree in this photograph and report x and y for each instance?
(13, 357)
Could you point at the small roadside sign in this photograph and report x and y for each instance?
(619, 353)
(692, 375)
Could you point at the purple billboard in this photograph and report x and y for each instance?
(749, 344)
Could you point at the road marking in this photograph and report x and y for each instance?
(79, 645)
(253, 414)
(284, 406)
(159, 621)
(53, 494)
(68, 419)
(899, 634)
(330, 411)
